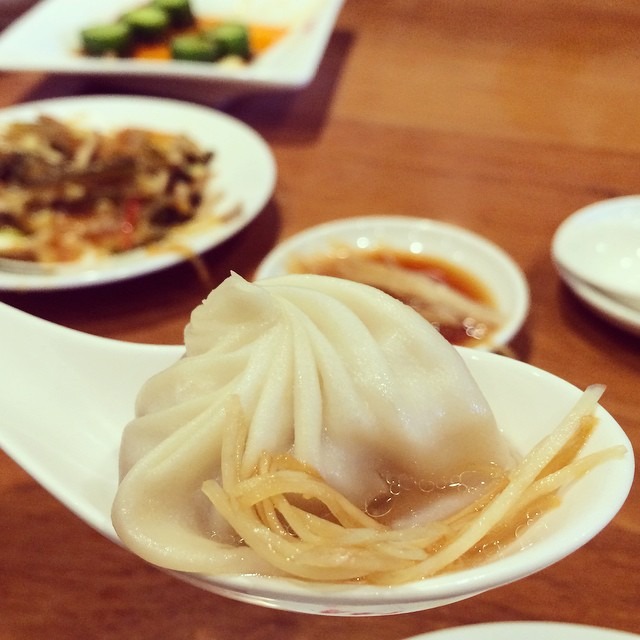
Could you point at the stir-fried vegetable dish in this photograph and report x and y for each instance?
(67, 193)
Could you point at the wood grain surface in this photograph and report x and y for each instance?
(500, 116)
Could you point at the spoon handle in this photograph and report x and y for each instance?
(71, 394)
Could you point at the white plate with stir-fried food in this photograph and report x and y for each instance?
(98, 189)
(466, 286)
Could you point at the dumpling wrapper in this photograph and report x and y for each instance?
(341, 375)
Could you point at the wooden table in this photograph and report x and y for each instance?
(502, 117)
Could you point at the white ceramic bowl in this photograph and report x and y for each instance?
(600, 244)
(46, 38)
(476, 255)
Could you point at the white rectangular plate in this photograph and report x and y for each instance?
(46, 38)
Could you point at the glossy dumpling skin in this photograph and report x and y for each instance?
(343, 376)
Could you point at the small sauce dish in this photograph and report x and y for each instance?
(466, 253)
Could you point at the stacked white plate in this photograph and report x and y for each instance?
(597, 253)
(526, 631)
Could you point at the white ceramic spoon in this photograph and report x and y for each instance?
(67, 396)
(67, 408)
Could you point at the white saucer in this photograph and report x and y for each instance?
(596, 251)
(526, 631)
(600, 244)
(606, 307)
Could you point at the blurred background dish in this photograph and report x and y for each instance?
(477, 267)
(230, 203)
(608, 308)
(526, 631)
(596, 252)
(47, 38)
(600, 245)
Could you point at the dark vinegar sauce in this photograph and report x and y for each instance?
(446, 273)
(438, 269)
